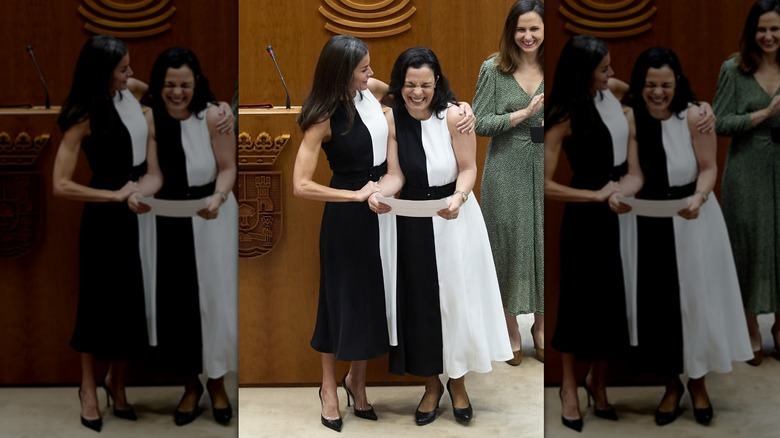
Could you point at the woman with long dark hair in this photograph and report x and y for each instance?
(583, 116)
(102, 117)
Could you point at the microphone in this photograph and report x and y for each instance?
(40, 75)
(271, 52)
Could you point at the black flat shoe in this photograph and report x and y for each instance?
(463, 415)
(183, 418)
(423, 418)
(126, 414)
(571, 424)
(702, 415)
(367, 414)
(663, 418)
(607, 414)
(221, 415)
(95, 425)
(330, 424)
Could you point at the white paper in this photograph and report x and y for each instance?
(165, 207)
(661, 208)
(405, 207)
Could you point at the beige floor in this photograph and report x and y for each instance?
(507, 402)
(54, 413)
(746, 403)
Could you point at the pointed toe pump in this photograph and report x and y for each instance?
(366, 414)
(573, 424)
(334, 424)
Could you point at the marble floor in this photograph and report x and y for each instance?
(746, 404)
(508, 402)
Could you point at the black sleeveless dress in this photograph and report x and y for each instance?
(111, 315)
(591, 320)
(351, 319)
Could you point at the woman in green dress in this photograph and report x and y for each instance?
(509, 100)
(747, 102)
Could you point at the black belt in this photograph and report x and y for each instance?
(373, 174)
(136, 172)
(618, 171)
(674, 192)
(424, 193)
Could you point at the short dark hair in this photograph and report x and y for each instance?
(418, 57)
(177, 57)
(658, 57)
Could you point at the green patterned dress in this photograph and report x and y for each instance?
(512, 193)
(751, 187)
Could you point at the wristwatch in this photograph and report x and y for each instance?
(463, 195)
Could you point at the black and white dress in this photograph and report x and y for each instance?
(450, 317)
(688, 314)
(193, 311)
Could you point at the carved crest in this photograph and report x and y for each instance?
(259, 212)
(20, 212)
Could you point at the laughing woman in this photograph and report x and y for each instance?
(197, 258)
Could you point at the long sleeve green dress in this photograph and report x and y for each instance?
(512, 193)
(751, 187)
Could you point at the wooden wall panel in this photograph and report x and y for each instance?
(703, 34)
(39, 289)
(278, 291)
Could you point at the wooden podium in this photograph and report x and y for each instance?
(279, 264)
(38, 253)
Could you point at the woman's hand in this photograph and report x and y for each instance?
(617, 206)
(227, 119)
(367, 190)
(376, 206)
(213, 203)
(453, 207)
(707, 123)
(536, 104)
(135, 205)
(128, 189)
(469, 121)
(605, 192)
(694, 204)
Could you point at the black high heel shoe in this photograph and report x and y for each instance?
(663, 418)
(463, 415)
(127, 414)
(571, 424)
(367, 414)
(330, 424)
(423, 418)
(703, 415)
(607, 414)
(95, 425)
(182, 418)
(221, 415)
